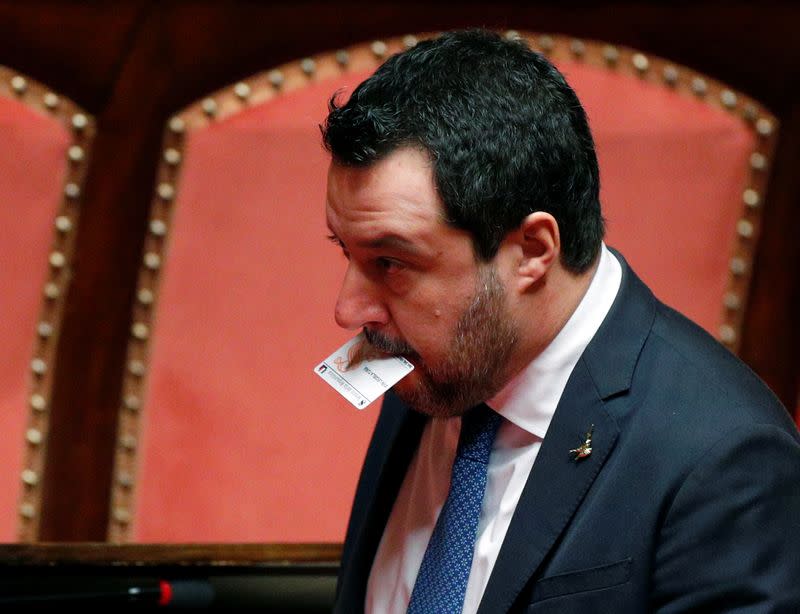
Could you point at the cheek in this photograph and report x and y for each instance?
(430, 333)
(427, 318)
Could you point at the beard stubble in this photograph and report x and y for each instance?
(476, 363)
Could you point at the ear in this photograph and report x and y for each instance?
(539, 248)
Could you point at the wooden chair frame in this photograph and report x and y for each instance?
(43, 100)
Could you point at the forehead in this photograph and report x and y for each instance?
(394, 194)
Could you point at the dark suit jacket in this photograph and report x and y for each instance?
(690, 500)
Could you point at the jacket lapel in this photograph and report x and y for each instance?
(558, 482)
(555, 488)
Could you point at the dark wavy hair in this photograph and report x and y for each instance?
(506, 135)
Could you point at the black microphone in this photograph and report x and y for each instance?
(105, 590)
(186, 593)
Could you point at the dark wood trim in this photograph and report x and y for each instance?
(771, 344)
(185, 555)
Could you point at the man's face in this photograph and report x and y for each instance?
(414, 286)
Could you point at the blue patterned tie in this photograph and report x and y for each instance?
(442, 579)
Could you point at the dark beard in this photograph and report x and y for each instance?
(476, 364)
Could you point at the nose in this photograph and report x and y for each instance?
(359, 303)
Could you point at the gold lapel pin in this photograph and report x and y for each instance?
(585, 449)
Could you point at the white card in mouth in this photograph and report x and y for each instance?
(365, 382)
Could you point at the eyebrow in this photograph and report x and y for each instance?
(391, 241)
(388, 240)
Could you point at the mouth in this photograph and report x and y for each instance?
(364, 350)
(375, 346)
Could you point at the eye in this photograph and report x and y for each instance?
(388, 265)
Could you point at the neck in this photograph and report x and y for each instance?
(548, 308)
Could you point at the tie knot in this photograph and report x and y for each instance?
(478, 429)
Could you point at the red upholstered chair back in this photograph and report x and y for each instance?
(225, 434)
(45, 144)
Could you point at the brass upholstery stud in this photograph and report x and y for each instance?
(242, 91)
(764, 126)
(758, 161)
(30, 477)
(308, 66)
(409, 41)
(158, 228)
(512, 35)
(172, 156)
(19, 84)
(128, 442)
(136, 367)
(726, 334)
(750, 112)
(57, 260)
(145, 296)
(744, 228)
(379, 49)
(276, 78)
(640, 62)
(27, 511)
(75, 153)
(63, 224)
(342, 57)
(72, 190)
(732, 301)
(125, 480)
(728, 99)
(577, 47)
(209, 106)
(122, 515)
(751, 198)
(546, 43)
(44, 329)
(165, 191)
(699, 86)
(611, 55)
(132, 402)
(177, 125)
(738, 265)
(38, 402)
(38, 366)
(140, 331)
(34, 436)
(51, 100)
(152, 261)
(79, 121)
(670, 74)
(51, 290)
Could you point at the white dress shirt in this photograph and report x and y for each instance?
(527, 404)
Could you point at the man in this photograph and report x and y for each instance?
(637, 465)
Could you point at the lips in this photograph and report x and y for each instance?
(375, 345)
(364, 350)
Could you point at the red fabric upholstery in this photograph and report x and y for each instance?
(32, 165)
(672, 172)
(242, 442)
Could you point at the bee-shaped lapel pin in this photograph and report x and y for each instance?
(585, 449)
